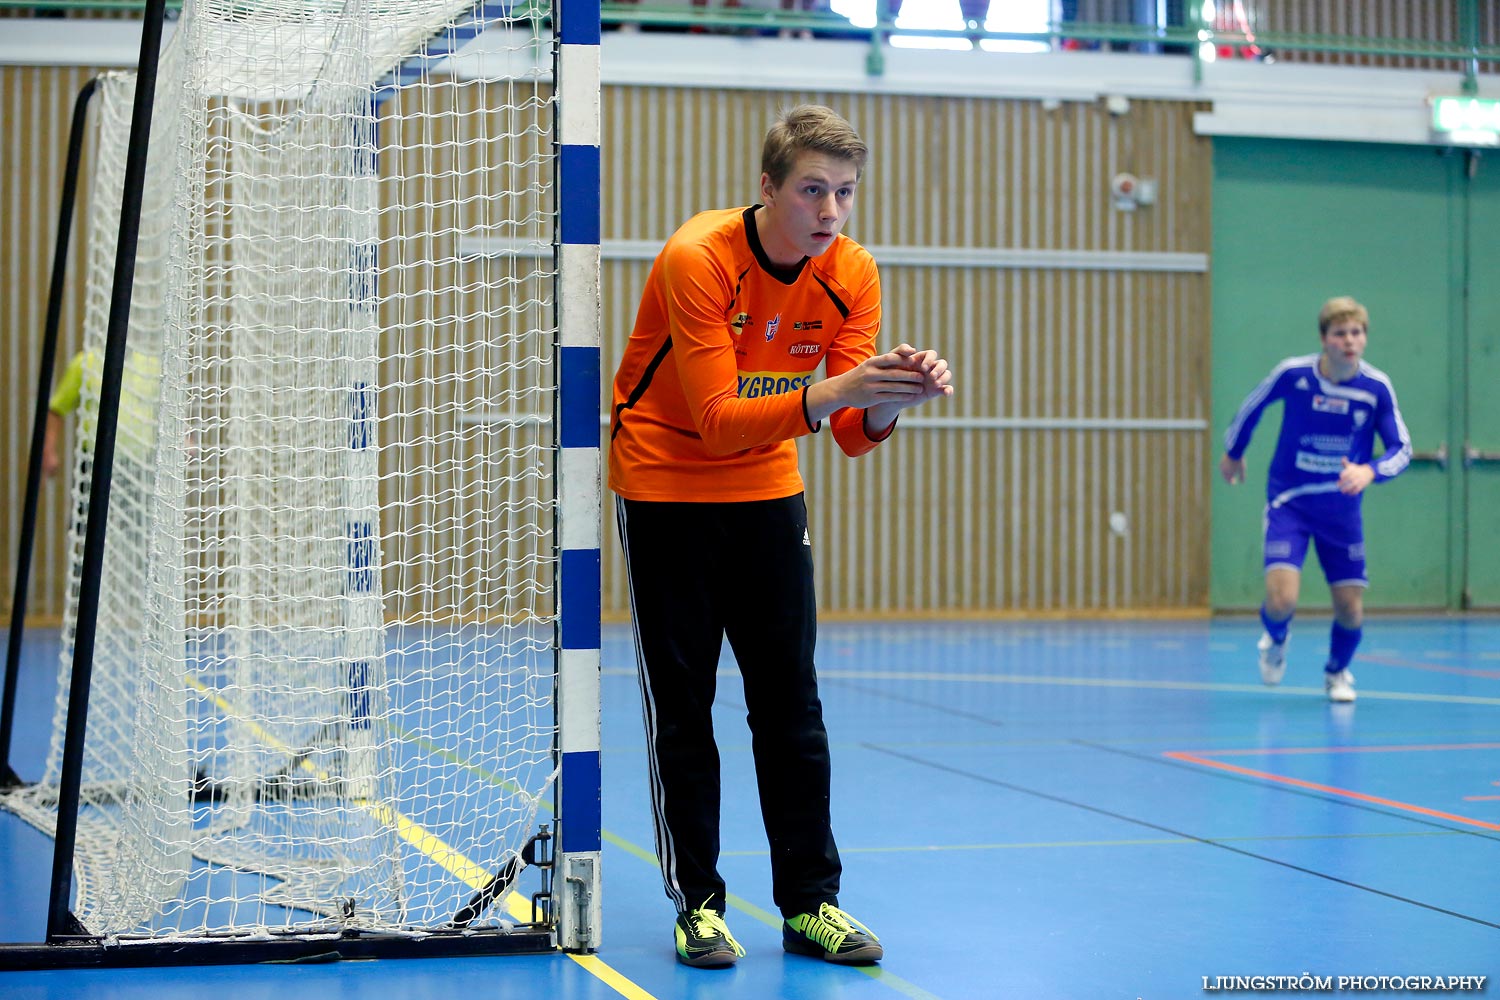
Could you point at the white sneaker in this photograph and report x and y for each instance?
(1272, 658)
(1340, 686)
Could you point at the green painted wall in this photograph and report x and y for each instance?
(1297, 222)
(1482, 404)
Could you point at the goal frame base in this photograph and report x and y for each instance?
(93, 953)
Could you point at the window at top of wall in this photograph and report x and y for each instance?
(915, 16)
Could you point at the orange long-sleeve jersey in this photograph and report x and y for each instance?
(708, 398)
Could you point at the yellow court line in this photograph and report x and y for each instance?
(520, 909)
(453, 860)
(611, 978)
(475, 876)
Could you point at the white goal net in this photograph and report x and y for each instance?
(323, 690)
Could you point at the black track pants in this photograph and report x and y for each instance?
(700, 572)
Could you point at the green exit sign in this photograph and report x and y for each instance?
(1468, 121)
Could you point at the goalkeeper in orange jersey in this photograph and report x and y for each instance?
(717, 381)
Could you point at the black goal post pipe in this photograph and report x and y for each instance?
(8, 776)
(60, 921)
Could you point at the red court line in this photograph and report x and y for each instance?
(1267, 751)
(1330, 789)
(1388, 661)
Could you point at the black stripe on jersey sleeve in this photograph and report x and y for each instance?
(641, 386)
(837, 302)
(739, 282)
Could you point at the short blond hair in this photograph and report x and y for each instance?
(1339, 309)
(810, 127)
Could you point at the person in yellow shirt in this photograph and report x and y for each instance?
(717, 380)
(81, 382)
(65, 399)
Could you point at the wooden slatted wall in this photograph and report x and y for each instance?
(1078, 333)
(977, 519)
(36, 108)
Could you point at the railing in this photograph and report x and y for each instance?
(1470, 48)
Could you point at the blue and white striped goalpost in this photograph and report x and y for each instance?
(577, 861)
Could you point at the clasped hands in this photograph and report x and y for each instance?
(883, 386)
(902, 377)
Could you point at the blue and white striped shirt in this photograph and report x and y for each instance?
(1323, 423)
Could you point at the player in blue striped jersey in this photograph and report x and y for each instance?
(1334, 403)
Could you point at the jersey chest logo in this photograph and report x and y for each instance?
(1330, 404)
(754, 385)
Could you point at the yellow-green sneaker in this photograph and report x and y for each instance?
(704, 941)
(832, 935)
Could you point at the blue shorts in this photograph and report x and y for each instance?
(1337, 529)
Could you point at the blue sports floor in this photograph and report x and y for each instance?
(1030, 810)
